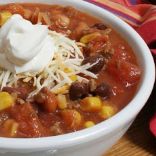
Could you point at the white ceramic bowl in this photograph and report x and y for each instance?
(98, 139)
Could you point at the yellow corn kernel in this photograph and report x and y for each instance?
(4, 16)
(91, 104)
(87, 38)
(68, 70)
(11, 127)
(76, 121)
(72, 118)
(73, 77)
(6, 100)
(62, 90)
(107, 111)
(62, 101)
(88, 124)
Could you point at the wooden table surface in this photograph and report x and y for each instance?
(138, 141)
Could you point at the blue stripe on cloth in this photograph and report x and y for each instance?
(133, 2)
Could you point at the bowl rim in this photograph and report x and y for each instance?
(104, 128)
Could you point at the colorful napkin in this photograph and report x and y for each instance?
(141, 15)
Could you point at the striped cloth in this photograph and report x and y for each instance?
(141, 16)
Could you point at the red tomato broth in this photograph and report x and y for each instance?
(34, 121)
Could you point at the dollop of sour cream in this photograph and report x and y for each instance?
(25, 47)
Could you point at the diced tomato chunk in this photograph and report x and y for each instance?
(47, 100)
(125, 72)
(59, 30)
(129, 72)
(29, 124)
(121, 54)
(118, 89)
(98, 44)
(72, 118)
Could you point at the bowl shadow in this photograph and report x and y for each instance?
(139, 133)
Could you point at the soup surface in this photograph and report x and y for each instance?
(91, 75)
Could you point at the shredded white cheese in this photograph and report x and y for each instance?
(66, 63)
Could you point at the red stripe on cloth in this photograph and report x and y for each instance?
(149, 13)
(148, 32)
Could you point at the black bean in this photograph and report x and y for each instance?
(98, 60)
(78, 90)
(99, 26)
(103, 90)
